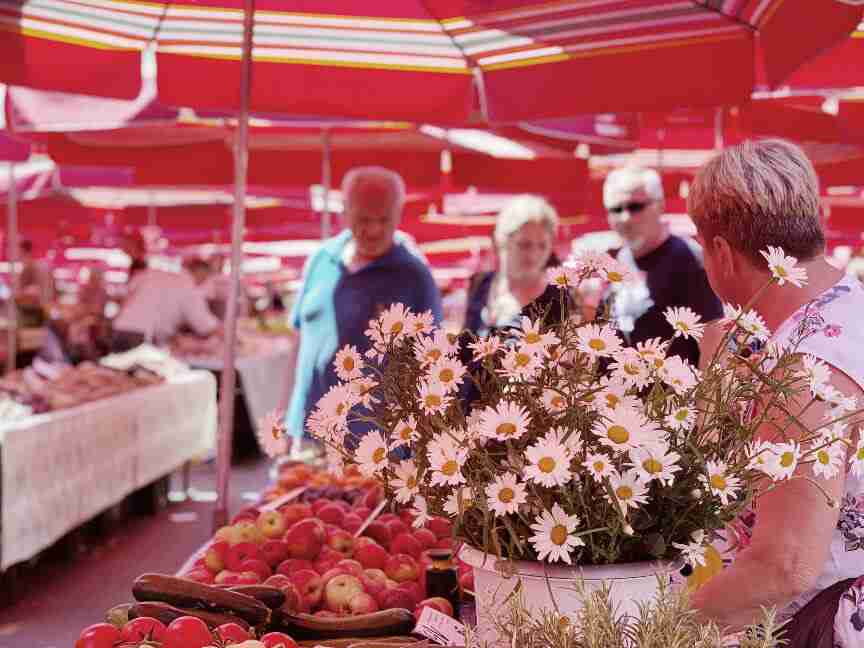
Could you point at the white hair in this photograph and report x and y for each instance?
(629, 179)
(521, 210)
(372, 183)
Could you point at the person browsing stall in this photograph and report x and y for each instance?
(350, 280)
(803, 549)
(672, 273)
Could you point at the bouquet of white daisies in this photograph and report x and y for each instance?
(579, 449)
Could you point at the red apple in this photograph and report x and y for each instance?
(305, 539)
(387, 518)
(278, 640)
(379, 532)
(371, 555)
(401, 568)
(247, 531)
(438, 603)
(445, 543)
(341, 541)
(396, 598)
(345, 506)
(227, 577)
(397, 528)
(293, 599)
(331, 514)
(332, 573)
(240, 553)
(295, 512)
(352, 523)
(320, 503)
(374, 581)
(373, 497)
(227, 534)
(405, 543)
(257, 566)
(273, 552)
(309, 585)
(214, 558)
(362, 603)
(271, 524)
(231, 633)
(201, 575)
(427, 539)
(441, 527)
(351, 566)
(292, 565)
(362, 541)
(362, 512)
(248, 578)
(339, 590)
(414, 589)
(278, 581)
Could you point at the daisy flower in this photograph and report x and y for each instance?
(449, 372)
(815, 372)
(655, 462)
(630, 369)
(693, 552)
(685, 322)
(420, 511)
(272, 434)
(485, 347)
(856, 461)
(520, 364)
(782, 460)
(752, 322)
(591, 261)
(616, 273)
(371, 454)
(598, 341)
(652, 352)
(421, 323)
(395, 322)
(362, 388)
(553, 401)
(630, 491)
(599, 466)
(682, 418)
(504, 422)
(549, 463)
(336, 404)
(625, 428)
(553, 535)
(505, 494)
(758, 452)
(784, 268)
(828, 460)
(433, 397)
(427, 349)
(446, 460)
(405, 481)
(531, 337)
(348, 363)
(404, 432)
(679, 374)
(562, 276)
(613, 395)
(459, 501)
(719, 482)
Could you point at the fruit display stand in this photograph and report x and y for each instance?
(59, 470)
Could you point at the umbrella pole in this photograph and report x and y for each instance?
(227, 387)
(326, 181)
(718, 129)
(12, 258)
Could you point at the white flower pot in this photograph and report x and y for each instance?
(630, 584)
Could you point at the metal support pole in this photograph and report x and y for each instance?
(227, 387)
(327, 182)
(718, 129)
(12, 258)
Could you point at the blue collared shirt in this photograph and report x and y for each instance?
(334, 308)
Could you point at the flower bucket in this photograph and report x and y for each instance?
(630, 584)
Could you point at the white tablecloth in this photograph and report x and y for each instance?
(63, 468)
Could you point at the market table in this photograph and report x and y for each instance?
(63, 468)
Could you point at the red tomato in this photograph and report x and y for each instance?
(278, 640)
(231, 632)
(143, 628)
(99, 635)
(187, 632)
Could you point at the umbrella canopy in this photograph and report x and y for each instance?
(428, 60)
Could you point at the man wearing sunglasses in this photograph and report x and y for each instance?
(670, 266)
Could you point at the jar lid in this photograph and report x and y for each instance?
(441, 554)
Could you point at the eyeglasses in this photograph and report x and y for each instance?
(630, 208)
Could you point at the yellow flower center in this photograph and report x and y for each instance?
(824, 457)
(379, 455)
(612, 400)
(340, 409)
(558, 534)
(787, 459)
(624, 492)
(505, 429)
(532, 338)
(396, 328)
(405, 433)
(718, 482)
(682, 414)
(614, 276)
(434, 355)
(597, 344)
(599, 466)
(446, 375)
(652, 466)
(348, 363)
(506, 495)
(452, 338)
(557, 402)
(450, 468)
(860, 455)
(276, 431)
(522, 359)
(411, 482)
(433, 400)
(658, 363)
(546, 465)
(781, 271)
(618, 434)
(682, 326)
(631, 369)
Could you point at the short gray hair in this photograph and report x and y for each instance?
(521, 210)
(382, 182)
(631, 178)
(757, 194)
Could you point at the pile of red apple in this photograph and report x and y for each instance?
(308, 550)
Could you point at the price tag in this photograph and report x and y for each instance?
(440, 628)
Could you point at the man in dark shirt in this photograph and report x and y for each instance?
(670, 268)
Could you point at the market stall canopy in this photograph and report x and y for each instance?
(439, 60)
(13, 149)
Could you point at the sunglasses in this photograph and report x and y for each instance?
(630, 208)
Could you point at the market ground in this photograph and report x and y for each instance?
(63, 595)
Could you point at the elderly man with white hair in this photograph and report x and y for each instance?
(673, 274)
(351, 279)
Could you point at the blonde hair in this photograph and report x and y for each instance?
(521, 210)
(757, 194)
(630, 179)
